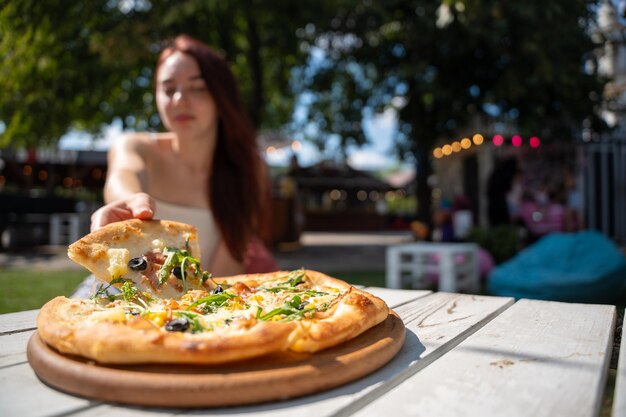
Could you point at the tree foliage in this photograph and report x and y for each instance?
(82, 65)
(442, 64)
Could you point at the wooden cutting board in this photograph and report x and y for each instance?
(270, 378)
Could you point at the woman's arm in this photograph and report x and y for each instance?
(126, 184)
(126, 173)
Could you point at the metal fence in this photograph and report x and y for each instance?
(604, 170)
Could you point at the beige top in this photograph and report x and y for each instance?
(202, 219)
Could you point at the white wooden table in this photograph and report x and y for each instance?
(464, 355)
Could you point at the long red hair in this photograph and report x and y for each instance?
(239, 195)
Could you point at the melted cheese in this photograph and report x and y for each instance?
(118, 261)
(244, 307)
(158, 244)
(110, 314)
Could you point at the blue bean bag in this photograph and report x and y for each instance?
(583, 267)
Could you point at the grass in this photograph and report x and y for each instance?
(26, 289)
(368, 279)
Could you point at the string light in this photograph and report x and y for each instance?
(478, 139)
(534, 142)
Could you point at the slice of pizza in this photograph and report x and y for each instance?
(159, 257)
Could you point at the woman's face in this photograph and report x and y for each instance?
(185, 105)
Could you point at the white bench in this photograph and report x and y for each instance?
(454, 264)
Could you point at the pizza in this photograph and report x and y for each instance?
(168, 310)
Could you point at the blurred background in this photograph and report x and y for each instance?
(483, 121)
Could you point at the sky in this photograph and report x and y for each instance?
(377, 155)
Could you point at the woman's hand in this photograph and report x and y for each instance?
(137, 206)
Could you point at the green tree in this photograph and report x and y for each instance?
(440, 64)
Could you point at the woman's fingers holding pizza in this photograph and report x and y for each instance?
(139, 206)
(110, 213)
(142, 206)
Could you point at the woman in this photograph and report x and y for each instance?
(205, 171)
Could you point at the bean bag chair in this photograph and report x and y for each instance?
(583, 267)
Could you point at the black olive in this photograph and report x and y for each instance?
(218, 290)
(302, 305)
(177, 272)
(138, 264)
(177, 325)
(134, 312)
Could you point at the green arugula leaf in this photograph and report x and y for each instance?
(170, 262)
(183, 273)
(177, 257)
(312, 293)
(293, 310)
(194, 320)
(101, 292)
(211, 303)
(129, 292)
(295, 277)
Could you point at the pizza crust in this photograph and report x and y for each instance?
(352, 314)
(63, 323)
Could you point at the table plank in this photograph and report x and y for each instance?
(435, 323)
(22, 394)
(395, 298)
(538, 358)
(13, 347)
(15, 322)
(619, 399)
